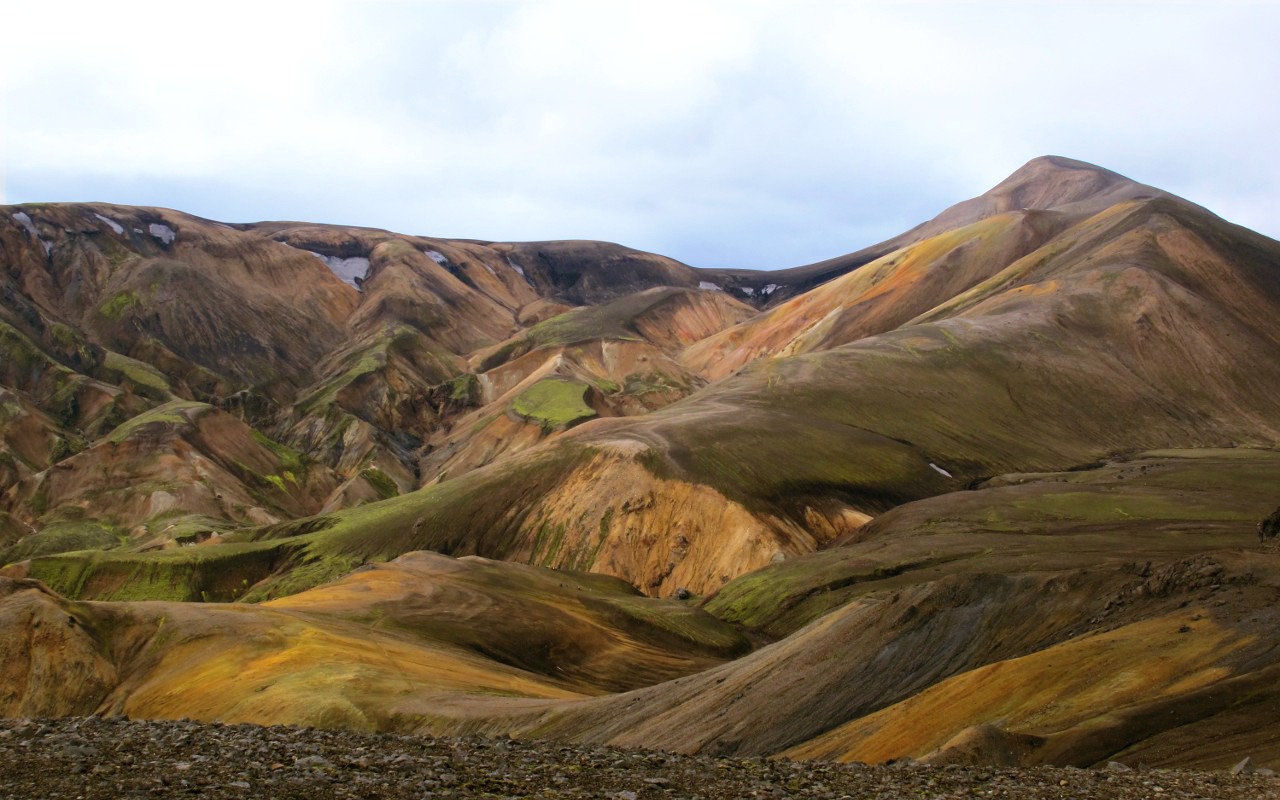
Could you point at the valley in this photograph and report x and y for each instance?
(986, 494)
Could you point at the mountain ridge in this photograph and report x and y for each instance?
(959, 446)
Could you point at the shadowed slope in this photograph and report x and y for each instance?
(177, 462)
(204, 303)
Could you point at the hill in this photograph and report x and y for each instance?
(986, 492)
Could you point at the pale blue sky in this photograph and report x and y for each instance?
(726, 134)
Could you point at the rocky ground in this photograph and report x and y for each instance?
(115, 758)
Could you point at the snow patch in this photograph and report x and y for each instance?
(112, 224)
(163, 233)
(519, 270)
(709, 285)
(25, 221)
(348, 269)
(769, 289)
(436, 256)
(940, 470)
(747, 290)
(30, 227)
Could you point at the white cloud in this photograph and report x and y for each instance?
(750, 134)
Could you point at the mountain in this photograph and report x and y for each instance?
(986, 492)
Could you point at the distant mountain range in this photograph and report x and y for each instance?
(987, 492)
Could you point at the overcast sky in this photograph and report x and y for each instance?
(724, 134)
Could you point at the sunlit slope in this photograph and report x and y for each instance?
(619, 358)
(381, 649)
(1052, 606)
(1147, 325)
(1071, 188)
(882, 295)
(348, 345)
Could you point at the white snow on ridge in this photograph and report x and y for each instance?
(162, 233)
(26, 223)
(715, 287)
(348, 269)
(747, 290)
(940, 470)
(769, 289)
(112, 224)
(436, 256)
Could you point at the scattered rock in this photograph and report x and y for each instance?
(219, 762)
(1269, 528)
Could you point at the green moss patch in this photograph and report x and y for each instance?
(291, 461)
(381, 482)
(1149, 508)
(61, 537)
(554, 403)
(115, 306)
(217, 573)
(612, 320)
(172, 413)
(482, 512)
(465, 389)
(139, 373)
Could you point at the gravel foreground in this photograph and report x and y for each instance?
(116, 758)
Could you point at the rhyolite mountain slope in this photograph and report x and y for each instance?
(984, 492)
(349, 348)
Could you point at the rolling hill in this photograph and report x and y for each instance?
(986, 492)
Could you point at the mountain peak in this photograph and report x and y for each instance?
(1053, 181)
(1042, 184)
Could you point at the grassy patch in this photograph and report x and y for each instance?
(20, 358)
(679, 623)
(612, 320)
(381, 482)
(138, 372)
(291, 461)
(304, 575)
(62, 537)
(372, 358)
(482, 512)
(465, 389)
(115, 306)
(218, 573)
(1151, 507)
(554, 403)
(171, 413)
